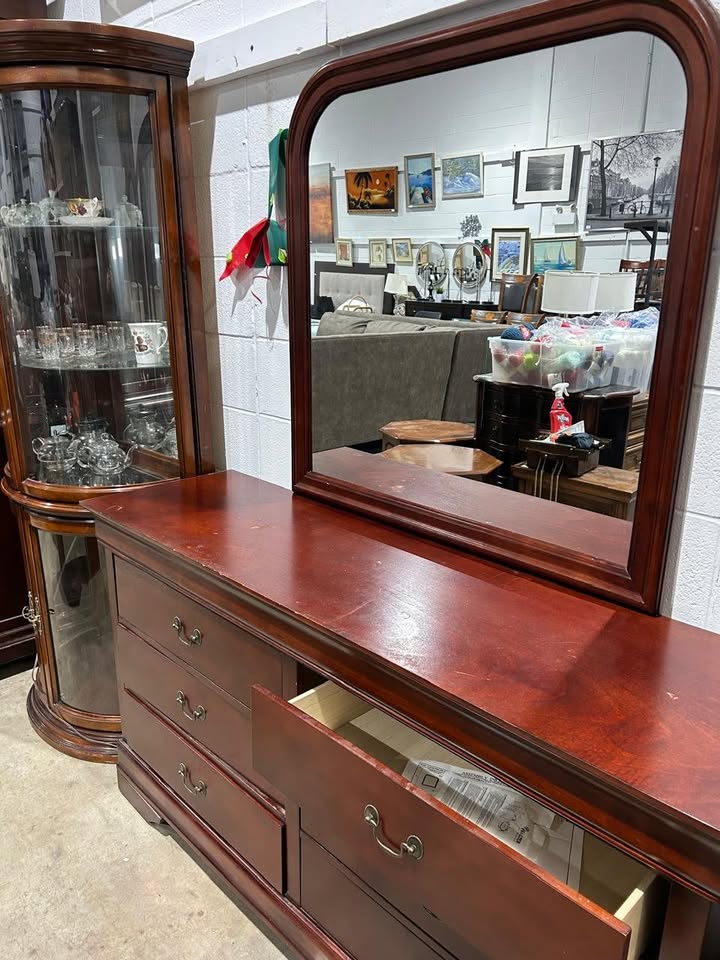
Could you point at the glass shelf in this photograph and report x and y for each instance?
(91, 366)
(81, 477)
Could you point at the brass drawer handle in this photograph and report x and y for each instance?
(199, 713)
(413, 846)
(195, 638)
(197, 789)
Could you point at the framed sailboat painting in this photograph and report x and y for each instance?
(554, 253)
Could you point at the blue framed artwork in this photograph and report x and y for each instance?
(462, 176)
(420, 181)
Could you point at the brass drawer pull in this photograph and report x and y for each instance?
(195, 638)
(413, 846)
(197, 789)
(199, 713)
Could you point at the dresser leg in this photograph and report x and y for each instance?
(138, 801)
(686, 926)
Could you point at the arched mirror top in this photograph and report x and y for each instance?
(581, 266)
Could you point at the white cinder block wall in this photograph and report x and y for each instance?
(248, 341)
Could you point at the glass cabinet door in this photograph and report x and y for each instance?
(82, 293)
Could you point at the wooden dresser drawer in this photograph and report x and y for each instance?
(197, 708)
(467, 890)
(244, 823)
(216, 648)
(349, 915)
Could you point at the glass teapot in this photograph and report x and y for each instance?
(144, 429)
(104, 456)
(56, 453)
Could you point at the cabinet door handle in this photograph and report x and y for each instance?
(197, 789)
(199, 713)
(195, 638)
(413, 846)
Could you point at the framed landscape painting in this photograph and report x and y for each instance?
(402, 250)
(547, 176)
(372, 190)
(554, 253)
(509, 251)
(632, 178)
(322, 228)
(420, 181)
(462, 176)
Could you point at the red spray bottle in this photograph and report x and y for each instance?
(560, 419)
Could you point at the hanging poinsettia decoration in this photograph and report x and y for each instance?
(265, 244)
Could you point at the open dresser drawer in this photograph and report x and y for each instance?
(341, 762)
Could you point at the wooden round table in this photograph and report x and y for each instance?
(445, 458)
(425, 431)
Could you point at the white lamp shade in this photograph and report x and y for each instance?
(569, 292)
(616, 292)
(397, 284)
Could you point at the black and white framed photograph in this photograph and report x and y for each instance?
(547, 176)
(378, 252)
(633, 177)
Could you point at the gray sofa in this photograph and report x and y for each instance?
(369, 369)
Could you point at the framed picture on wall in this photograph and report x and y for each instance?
(547, 176)
(402, 251)
(343, 253)
(633, 177)
(378, 252)
(510, 249)
(420, 181)
(372, 190)
(322, 228)
(462, 176)
(554, 253)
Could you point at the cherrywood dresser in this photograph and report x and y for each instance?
(279, 662)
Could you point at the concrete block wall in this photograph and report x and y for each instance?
(232, 122)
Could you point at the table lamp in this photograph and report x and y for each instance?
(616, 292)
(569, 292)
(397, 285)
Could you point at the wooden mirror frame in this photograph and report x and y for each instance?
(692, 29)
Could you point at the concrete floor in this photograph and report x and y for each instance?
(82, 876)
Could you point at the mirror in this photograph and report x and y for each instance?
(431, 268)
(450, 415)
(470, 267)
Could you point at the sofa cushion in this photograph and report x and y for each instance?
(336, 324)
(393, 326)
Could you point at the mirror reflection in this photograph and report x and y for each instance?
(502, 332)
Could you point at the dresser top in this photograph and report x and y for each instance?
(629, 701)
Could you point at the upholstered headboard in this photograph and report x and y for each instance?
(341, 283)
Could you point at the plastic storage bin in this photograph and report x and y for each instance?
(634, 355)
(582, 364)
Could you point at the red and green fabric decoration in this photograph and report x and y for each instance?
(265, 244)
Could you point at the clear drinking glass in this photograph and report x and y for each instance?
(66, 342)
(77, 328)
(116, 337)
(101, 339)
(26, 343)
(48, 343)
(86, 344)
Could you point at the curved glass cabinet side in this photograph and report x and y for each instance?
(82, 288)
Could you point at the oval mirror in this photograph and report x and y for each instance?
(469, 267)
(431, 268)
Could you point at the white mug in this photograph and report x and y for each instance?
(148, 339)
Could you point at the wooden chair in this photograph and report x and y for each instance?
(641, 268)
(520, 292)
